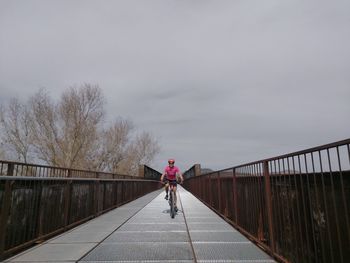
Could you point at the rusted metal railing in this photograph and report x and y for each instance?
(32, 170)
(33, 209)
(150, 173)
(294, 206)
(195, 170)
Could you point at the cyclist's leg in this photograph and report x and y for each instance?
(172, 184)
(166, 187)
(175, 195)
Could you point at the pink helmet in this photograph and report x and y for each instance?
(171, 161)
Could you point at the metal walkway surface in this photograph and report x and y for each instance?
(142, 231)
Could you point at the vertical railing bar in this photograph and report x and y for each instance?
(32, 204)
(235, 194)
(6, 206)
(199, 182)
(205, 189)
(115, 190)
(18, 234)
(210, 195)
(258, 199)
(15, 236)
(335, 206)
(243, 215)
(253, 223)
(326, 206)
(269, 206)
(310, 204)
(248, 219)
(262, 199)
(279, 196)
(343, 195)
(202, 183)
(219, 193)
(317, 201)
(298, 206)
(38, 202)
(276, 205)
(305, 212)
(284, 202)
(296, 221)
(289, 211)
(67, 202)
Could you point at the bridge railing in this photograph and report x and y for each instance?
(294, 206)
(33, 170)
(33, 209)
(195, 170)
(150, 173)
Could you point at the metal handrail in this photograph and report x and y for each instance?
(295, 206)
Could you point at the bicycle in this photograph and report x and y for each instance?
(171, 198)
(172, 201)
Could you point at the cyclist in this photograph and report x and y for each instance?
(171, 173)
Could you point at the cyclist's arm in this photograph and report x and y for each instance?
(162, 177)
(178, 174)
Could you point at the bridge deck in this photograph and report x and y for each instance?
(142, 231)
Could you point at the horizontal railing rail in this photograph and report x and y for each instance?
(10, 168)
(295, 206)
(33, 209)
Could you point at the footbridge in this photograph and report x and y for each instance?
(289, 208)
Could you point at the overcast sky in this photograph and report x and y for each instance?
(219, 83)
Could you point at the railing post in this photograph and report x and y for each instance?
(235, 195)
(10, 169)
(67, 202)
(219, 192)
(39, 207)
(6, 206)
(96, 197)
(210, 194)
(269, 204)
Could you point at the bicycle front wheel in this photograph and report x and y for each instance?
(172, 204)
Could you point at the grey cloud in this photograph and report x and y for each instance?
(218, 82)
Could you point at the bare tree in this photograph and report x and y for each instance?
(44, 128)
(112, 146)
(15, 124)
(2, 151)
(81, 112)
(70, 133)
(141, 151)
(65, 133)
